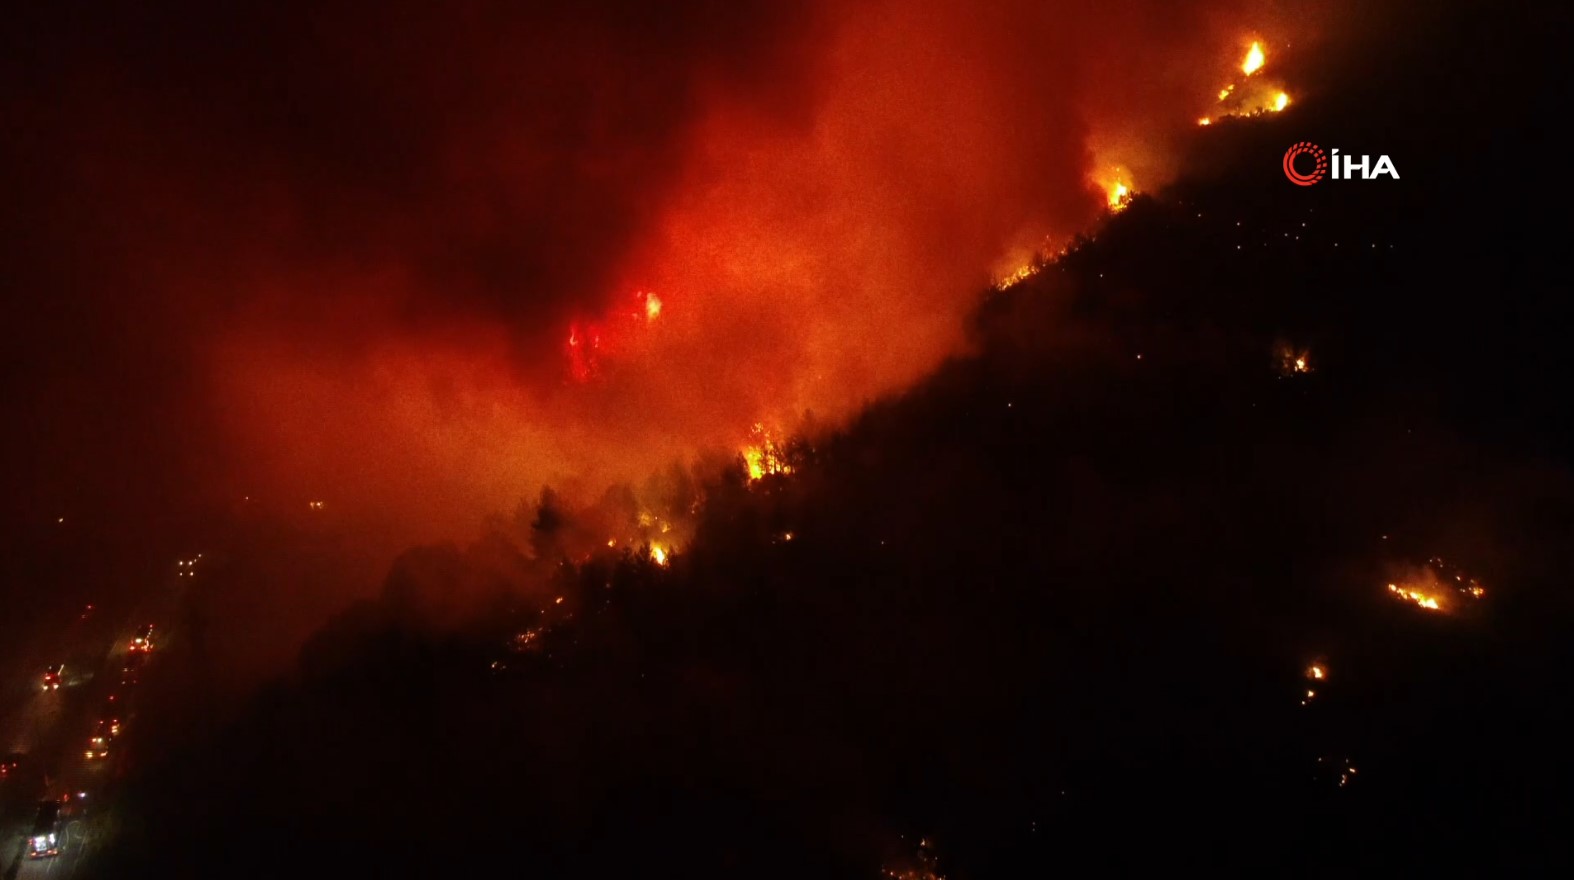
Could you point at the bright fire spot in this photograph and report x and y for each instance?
(765, 456)
(558, 601)
(1292, 361)
(612, 542)
(1118, 190)
(1119, 196)
(652, 306)
(1254, 97)
(1023, 273)
(1317, 672)
(1254, 59)
(1419, 598)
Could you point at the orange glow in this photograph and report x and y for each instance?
(1317, 672)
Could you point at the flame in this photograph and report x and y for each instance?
(1118, 192)
(765, 455)
(652, 306)
(1292, 361)
(1254, 59)
(1022, 273)
(1119, 196)
(1317, 672)
(1255, 97)
(658, 554)
(1421, 599)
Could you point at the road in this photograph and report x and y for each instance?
(50, 729)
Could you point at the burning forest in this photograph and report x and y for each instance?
(845, 439)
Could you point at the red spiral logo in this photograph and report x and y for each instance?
(1318, 170)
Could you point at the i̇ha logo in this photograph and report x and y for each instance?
(1321, 167)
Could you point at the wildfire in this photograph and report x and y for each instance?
(1118, 192)
(922, 866)
(1437, 586)
(1317, 672)
(1421, 599)
(1254, 98)
(1254, 59)
(658, 554)
(1461, 580)
(765, 456)
(1022, 273)
(1292, 361)
(1119, 196)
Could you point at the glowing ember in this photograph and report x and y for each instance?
(1254, 59)
(652, 306)
(1457, 578)
(1338, 771)
(1205, 121)
(923, 866)
(1225, 92)
(1317, 672)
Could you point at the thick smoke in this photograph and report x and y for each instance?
(363, 235)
